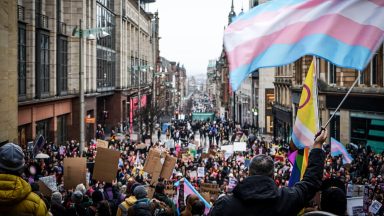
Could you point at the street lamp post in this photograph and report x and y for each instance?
(90, 34)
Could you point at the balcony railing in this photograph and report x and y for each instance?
(20, 13)
(42, 21)
(61, 28)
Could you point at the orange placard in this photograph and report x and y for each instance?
(90, 120)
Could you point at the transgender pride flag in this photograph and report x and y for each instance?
(189, 189)
(339, 149)
(345, 32)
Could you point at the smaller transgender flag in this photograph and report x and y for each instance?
(189, 189)
(339, 149)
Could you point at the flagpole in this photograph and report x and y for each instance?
(341, 103)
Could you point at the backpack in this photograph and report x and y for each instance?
(113, 201)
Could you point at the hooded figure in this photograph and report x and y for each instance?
(16, 196)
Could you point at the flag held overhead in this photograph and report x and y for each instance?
(281, 31)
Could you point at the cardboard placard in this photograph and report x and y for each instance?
(152, 161)
(102, 143)
(50, 182)
(74, 172)
(239, 146)
(44, 189)
(200, 172)
(106, 165)
(141, 146)
(211, 188)
(168, 166)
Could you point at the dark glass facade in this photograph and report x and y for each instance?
(106, 55)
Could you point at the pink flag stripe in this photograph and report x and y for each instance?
(304, 13)
(378, 2)
(347, 31)
(239, 25)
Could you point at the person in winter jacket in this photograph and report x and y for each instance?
(259, 195)
(57, 208)
(143, 206)
(16, 196)
(128, 202)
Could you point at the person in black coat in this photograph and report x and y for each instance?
(259, 195)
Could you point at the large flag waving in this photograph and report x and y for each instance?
(306, 125)
(278, 32)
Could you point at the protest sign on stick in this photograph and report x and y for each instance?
(74, 172)
(106, 165)
(168, 166)
(102, 143)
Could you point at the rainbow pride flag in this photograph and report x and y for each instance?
(279, 32)
(306, 125)
(339, 149)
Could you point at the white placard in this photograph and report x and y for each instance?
(200, 172)
(134, 137)
(375, 207)
(191, 146)
(353, 204)
(227, 148)
(193, 174)
(239, 146)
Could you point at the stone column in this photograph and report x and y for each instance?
(8, 70)
(345, 126)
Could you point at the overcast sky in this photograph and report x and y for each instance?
(191, 31)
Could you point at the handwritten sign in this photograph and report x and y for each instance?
(102, 143)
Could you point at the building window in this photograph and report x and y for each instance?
(42, 64)
(331, 73)
(43, 128)
(299, 71)
(62, 65)
(106, 55)
(105, 69)
(22, 72)
(62, 129)
(374, 69)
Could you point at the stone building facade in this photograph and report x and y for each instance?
(8, 72)
(49, 64)
(360, 119)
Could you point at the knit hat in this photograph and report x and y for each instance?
(81, 188)
(97, 196)
(11, 157)
(56, 197)
(77, 197)
(133, 187)
(140, 192)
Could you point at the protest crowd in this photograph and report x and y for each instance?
(206, 167)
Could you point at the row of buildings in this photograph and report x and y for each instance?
(269, 98)
(49, 45)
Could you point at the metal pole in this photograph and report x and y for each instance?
(342, 101)
(81, 90)
(138, 66)
(338, 107)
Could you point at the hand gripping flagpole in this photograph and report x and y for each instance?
(338, 107)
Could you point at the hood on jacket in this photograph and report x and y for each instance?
(13, 189)
(130, 200)
(256, 188)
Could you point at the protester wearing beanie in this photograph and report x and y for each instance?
(76, 207)
(57, 209)
(16, 196)
(128, 202)
(142, 206)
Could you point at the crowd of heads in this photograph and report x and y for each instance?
(262, 157)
